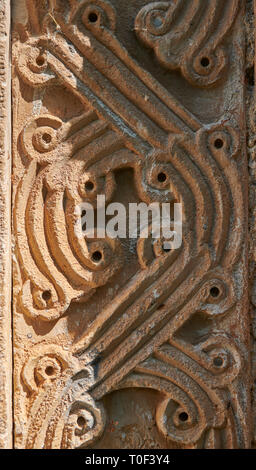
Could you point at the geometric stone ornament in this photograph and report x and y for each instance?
(120, 342)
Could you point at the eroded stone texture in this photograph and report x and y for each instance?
(251, 132)
(5, 232)
(140, 348)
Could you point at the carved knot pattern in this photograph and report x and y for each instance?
(131, 121)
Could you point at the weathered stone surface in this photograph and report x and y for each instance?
(5, 232)
(251, 132)
(136, 347)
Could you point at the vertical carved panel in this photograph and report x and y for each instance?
(118, 342)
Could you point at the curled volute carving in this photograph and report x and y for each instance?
(61, 413)
(188, 36)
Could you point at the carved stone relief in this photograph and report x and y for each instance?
(118, 342)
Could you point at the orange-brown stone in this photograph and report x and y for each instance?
(118, 342)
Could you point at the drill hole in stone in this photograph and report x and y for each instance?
(183, 416)
(166, 248)
(97, 256)
(215, 292)
(218, 143)
(81, 421)
(158, 22)
(161, 177)
(47, 138)
(205, 62)
(218, 361)
(93, 17)
(89, 186)
(40, 60)
(49, 371)
(46, 295)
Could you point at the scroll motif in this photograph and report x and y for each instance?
(61, 414)
(188, 36)
(194, 402)
(132, 122)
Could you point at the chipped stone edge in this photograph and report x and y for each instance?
(5, 230)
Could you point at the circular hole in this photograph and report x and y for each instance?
(161, 177)
(215, 291)
(218, 143)
(158, 22)
(81, 421)
(40, 60)
(166, 248)
(96, 256)
(218, 361)
(47, 138)
(183, 416)
(49, 370)
(93, 17)
(89, 185)
(46, 295)
(205, 62)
